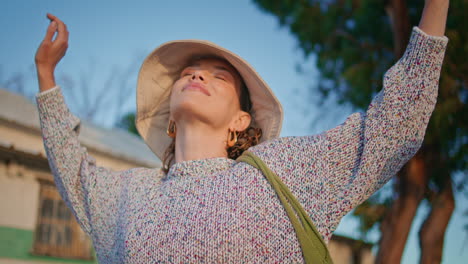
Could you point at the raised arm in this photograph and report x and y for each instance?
(97, 196)
(93, 193)
(434, 17)
(367, 150)
(75, 172)
(333, 172)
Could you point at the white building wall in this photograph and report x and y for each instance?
(19, 193)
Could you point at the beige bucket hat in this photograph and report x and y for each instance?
(161, 69)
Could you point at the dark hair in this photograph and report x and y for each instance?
(245, 139)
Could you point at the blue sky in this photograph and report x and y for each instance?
(107, 34)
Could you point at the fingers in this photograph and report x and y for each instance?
(60, 27)
(50, 31)
(62, 32)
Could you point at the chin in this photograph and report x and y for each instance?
(191, 109)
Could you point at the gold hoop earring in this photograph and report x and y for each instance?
(232, 138)
(171, 129)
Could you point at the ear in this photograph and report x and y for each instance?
(241, 122)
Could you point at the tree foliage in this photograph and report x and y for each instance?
(127, 122)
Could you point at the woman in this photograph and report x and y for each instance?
(193, 99)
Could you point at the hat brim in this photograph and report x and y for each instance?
(161, 69)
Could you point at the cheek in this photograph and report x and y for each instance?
(228, 100)
(175, 94)
(231, 93)
(177, 86)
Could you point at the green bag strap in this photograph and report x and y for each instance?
(314, 249)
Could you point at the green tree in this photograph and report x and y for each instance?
(355, 42)
(127, 122)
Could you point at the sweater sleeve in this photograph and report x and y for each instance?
(333, 172)
(88, 190)
(368, 149)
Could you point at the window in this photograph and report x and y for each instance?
(57, 232)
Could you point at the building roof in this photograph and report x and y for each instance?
(115, 142)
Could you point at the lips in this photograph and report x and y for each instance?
(196, 87)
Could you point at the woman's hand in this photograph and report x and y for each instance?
(434, 17)
(50, 52)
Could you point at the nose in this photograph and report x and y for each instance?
(197, 75)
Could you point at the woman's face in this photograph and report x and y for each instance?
(207, 90)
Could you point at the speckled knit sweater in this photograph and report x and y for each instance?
(216, 210)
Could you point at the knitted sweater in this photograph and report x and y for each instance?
(216, 210)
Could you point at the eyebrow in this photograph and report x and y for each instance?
(218, 67)
(222, 68)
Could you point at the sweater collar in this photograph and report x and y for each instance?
(202, 167)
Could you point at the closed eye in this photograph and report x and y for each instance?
(185, 73)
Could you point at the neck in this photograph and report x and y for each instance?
(198, 141)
